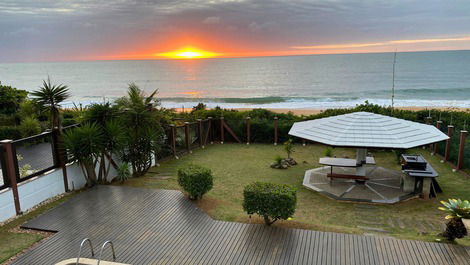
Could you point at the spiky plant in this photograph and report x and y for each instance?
(142, 127)
(456, 208)
(49, 97)
(85, 145)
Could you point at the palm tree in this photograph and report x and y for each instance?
(142, 123)
(49, 97)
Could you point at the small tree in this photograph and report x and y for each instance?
(271, 201)
(49, 97)
(195, 180)
(289, 147)
(85, 144)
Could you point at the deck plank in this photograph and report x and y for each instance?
(150, 226)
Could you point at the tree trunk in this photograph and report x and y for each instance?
(91, 174)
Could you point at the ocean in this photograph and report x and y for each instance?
(424, 79)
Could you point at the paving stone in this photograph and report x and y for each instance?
(401, 224)
(421, 227)
(370, 223)
(373, 229)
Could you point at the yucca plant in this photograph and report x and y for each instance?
(456, 208)
(85, 145)
(143, 128)
(49, 98)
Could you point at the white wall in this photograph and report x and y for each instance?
(40, 188)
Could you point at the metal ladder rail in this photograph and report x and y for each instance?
(81, 246)
(102, 248)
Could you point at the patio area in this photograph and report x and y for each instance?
(152, 226)
(383, 186)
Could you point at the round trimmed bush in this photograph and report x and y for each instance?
(271, 201)
(195, 180)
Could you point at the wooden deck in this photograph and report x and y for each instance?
(162, 227)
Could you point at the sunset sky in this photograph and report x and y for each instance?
(60, 30)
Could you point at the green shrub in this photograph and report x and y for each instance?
(271, 201)
(29, 126)
(10, 99)
(10, 132)
(195, 180)
(328, 152)
(123, 172)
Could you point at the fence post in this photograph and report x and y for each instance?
(450, 133)
(12, 171)
(276, 123)
(209, 121)
(436, 145)
(173, 140)
(199, 128)
(222, 129)
(186, 137)
(463, 135)
(248, 130)
(58, 154)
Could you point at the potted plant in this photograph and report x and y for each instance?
(458, 216)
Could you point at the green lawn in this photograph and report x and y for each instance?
(12, 241)
(236, 165)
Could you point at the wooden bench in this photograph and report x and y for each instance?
(346, 176)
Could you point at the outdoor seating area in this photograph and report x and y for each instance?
(361, 179)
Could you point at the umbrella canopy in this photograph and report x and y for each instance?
(367, 130)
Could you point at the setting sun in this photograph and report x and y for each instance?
(188, 53)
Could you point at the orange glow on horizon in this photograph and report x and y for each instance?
(188, 53)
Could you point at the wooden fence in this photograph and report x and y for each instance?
(179, 139)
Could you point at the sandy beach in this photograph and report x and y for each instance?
(316, 111)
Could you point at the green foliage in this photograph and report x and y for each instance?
(143, 128)
(199, 106)
(123, 172)
(49, 98)
(289, 147)
(10, 133)
(271, 201)
(85, 144)
(10, 99)
(328, 152)
(456, 208)
(28, 108)
(195, 180)
(29, 126)
(278, 159)
(398, 153)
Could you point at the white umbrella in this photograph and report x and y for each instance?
(364, 130)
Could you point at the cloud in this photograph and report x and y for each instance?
(86, 28)
(211, 20)
(386, 43)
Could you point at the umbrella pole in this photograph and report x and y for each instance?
(361, 161)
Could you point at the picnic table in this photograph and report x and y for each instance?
(345, 162)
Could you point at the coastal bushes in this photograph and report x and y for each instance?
(270, 201)
(195, 180)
